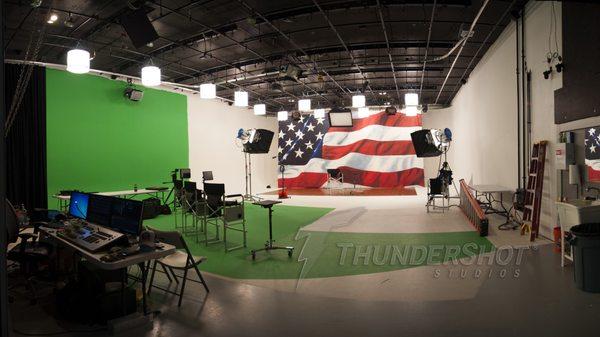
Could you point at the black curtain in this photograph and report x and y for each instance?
(26, 179)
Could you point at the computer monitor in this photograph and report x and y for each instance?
(78, 206)
(99, 209)
(126, 216)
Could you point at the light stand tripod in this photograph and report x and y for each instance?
(282, 193)
(439, 188)
(248, 168)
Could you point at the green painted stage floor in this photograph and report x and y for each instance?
(324, 254)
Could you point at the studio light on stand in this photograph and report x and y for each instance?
(254, 141)
(78, 61)
(435, 143)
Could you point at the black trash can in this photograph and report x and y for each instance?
(586, 259)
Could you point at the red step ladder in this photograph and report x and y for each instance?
(533, 191)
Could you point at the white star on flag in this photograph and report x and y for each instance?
(310, 127)
(279, 150)
(309, 145)
(592, 131)
(319, 135)
(299, 153)
(290, 126)
(288, 142)
(300, 134)
(281, 134)
(593, 148)
(320, 120)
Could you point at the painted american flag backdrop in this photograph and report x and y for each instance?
(376, 152)
(592, 153)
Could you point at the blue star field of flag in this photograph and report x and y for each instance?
(592, 144)
(300, 140)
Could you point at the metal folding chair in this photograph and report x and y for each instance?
(181, 260)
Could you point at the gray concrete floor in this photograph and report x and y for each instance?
(542, 301)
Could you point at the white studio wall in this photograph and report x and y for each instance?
(213, 127)
(483, 115)
(483, 120)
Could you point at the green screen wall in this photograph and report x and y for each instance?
(97, 140)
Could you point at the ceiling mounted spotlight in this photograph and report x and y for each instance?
(304, 104)
(52, 19)
(78, 61)
(69, 22)
(208, 91)
(260, 109)
(282, 115)
(358, 101)
(151, 76)
(411, 99)
(547, 73)
(319, 113)
(241, 99)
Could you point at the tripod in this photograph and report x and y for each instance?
(282, 193)
(248, 168)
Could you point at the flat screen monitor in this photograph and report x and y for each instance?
(185, 173)
(78, 205)
(99, 209)
(340, 118)
(126, 216)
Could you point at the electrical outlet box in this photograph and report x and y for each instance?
(565, 155)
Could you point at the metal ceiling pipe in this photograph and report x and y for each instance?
(292, 43)
(427, 46)
(344, 45)
(249, 77)
(461, 48)
(483, 43)
(389, 50)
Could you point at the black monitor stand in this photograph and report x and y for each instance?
(269, 244)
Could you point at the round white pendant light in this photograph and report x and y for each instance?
(358, 101)
(78, 61)
(260, 109)
(282, 115)
(241, 99)
(151, 76)
(411, 99)
(208, 91)
(363, 112)
(319, 113)
(411, 110)
(304, 104)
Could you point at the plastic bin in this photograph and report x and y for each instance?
(586, 256)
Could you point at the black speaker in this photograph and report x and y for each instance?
(424, 144)
(138, 27)
(262, 142)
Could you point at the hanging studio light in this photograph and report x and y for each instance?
(411, 110)
(282, 115)
(319, 113)
(151, 76)
(304, 104)
(411, 99)
(260, 109)
(208, 91)
(358, 101)
(241, 99)
(363, 112)
(78, 61)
